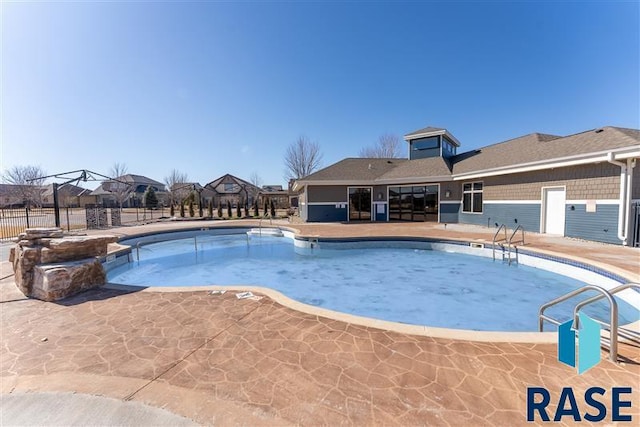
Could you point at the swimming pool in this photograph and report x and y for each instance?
(406, 282)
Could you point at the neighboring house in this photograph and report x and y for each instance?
(181, 191)
(17, 195)
(11, 196)
(69, 195)
(276, 194)
(579, 185)
(128, 189)
(233, 189)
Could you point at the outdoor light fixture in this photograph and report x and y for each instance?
(447, 194)
(379, 196)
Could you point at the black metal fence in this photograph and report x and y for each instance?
(14, 221)
(635, 225)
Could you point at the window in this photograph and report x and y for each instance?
(425, 143)
(228, 187)
(472, 197)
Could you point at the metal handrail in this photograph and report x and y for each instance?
(510, 241)
(611, 291)
(495, 236)
(613, 316)
(260, 222)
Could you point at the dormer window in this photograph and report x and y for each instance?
(425, 143)
(431, 142)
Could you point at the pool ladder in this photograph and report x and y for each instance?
(612, 326)
(509, 241)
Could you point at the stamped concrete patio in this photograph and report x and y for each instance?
(218, 360)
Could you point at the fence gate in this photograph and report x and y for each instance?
(635, 224)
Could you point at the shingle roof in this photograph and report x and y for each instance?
(355, 169)
(539, 147)
(128, 178)
(525, 149)
(419, 168)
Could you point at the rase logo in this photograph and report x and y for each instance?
(588, 343)
(539, 398)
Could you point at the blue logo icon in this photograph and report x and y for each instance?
(588, 343)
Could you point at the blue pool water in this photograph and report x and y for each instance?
(421, 287)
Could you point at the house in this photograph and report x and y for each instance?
(128, 191)
(181, 190)
(579, 185)
(20, 195)
(69, 195)
(275, 194)
(229, 188)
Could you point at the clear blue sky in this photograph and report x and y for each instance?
(215, 88)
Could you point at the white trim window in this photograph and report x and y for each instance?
(472, 197)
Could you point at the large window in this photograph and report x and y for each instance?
(472, 197)
(413, 203)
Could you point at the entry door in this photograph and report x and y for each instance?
(360, 204)
(554, 210)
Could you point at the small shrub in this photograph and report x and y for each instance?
(239, 211)
(219, 208)
(246, 209)
(181, 210)
(266, 208)
(172, 211)
(255, 208)
(273, 209)
(210, 208)
(229, 214)
(192, 212)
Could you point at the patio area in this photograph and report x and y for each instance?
(218, 360)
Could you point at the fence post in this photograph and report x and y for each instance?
(26, 211)
(68, 223)
(56, 205)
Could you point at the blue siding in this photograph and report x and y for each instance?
(601, 225)
(380, 216)
(326, 213)
(449, 212)
(512, 215)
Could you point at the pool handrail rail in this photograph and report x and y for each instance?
(613, 315)
(511, 243)
(496, 240)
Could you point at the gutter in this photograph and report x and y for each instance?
(626, 178)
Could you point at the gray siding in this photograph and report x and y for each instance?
(327, 193)
(326, 213)
(601, 225)
(449, 212)
(527, 215)
(377, 190)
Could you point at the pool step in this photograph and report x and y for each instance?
(273, 232)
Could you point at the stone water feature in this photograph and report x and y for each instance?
(50, 266)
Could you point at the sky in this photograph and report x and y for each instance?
(210, 88)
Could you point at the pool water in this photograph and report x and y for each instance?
(414, 286)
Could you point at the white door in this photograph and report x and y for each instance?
(554, 210)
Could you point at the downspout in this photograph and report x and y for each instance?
(623, 208)
(631, 163)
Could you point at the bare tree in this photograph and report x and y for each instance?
(118, 187)
(176, 187)
(255, 179)
(28, 181)
(302, 158)
(388, 146)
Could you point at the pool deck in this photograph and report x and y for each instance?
(218, 360)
